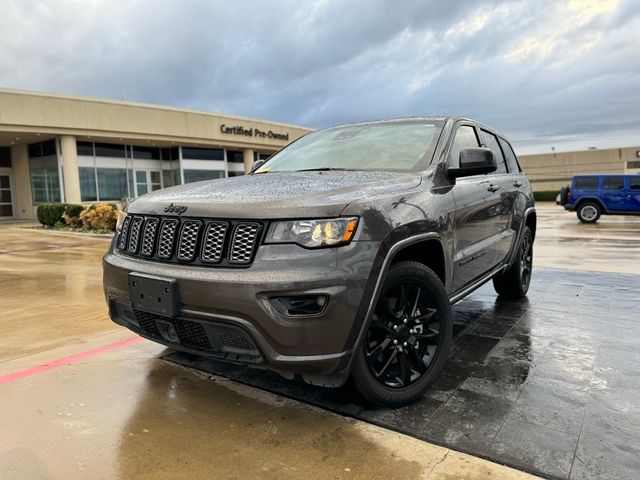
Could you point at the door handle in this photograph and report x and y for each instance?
(493, 188)
(517, 184)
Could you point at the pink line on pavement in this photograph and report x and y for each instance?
(77, 357)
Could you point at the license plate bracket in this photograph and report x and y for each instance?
(154, 294)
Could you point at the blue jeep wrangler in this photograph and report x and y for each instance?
(593, 195)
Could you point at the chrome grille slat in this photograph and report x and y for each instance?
(213, 242)
(134, 235)
(229, 243)
(244, 239)
(167, 238)
(124, 232)
(188, 240)
(149, 236)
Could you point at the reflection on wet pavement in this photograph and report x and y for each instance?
(46, 280)
(548, 384)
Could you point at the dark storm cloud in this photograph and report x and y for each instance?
(546, 72)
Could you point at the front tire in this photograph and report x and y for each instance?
(408, 339)
(514, 283)
(589, 212)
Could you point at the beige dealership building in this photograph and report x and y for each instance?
(60, 148)
(550, 171)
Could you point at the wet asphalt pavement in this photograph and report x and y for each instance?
(548, 385)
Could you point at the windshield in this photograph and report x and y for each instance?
(401, 146)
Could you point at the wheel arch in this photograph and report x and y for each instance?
(583, 200)
(531, 221)
(429, 252)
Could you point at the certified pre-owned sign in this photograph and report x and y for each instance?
(252, 132)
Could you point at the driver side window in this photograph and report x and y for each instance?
(465, 138)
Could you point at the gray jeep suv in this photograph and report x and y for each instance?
(338, 258)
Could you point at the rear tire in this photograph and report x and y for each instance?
(407, 341)
(514, 283)
(589, 212)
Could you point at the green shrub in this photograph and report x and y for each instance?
(545, 196)
(73, 210)
(51, 213)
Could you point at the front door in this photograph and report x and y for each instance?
(6, 196)
(147, 181)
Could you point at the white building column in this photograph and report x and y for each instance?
(69, 152)
(247, 156)
(23, 201)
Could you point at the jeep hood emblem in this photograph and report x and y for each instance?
(179, 209)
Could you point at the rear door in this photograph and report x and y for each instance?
(506, 180)
(633, 191)
(477, 217)
(613, 193)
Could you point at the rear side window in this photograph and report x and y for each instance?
(512, 161)
(586, 183)
(465, 138)
(613, 183)
(634, 183)
(491, 142)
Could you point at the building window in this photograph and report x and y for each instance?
(112, 183)
(202, 153)
(88, 192)
(109, 150)
(45, 177)
(633, 164)
(235, 174)
(5, 157)
(199, 175)
(146, 153)
(85, 148)
(235, 157)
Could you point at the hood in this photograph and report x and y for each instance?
(274, 195)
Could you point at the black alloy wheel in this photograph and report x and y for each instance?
(515, 282)
(404, 335)
(526, 261)
(408, 339)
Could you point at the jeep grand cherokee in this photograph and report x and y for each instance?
(338, 258)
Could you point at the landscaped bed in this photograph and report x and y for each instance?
(97, 219)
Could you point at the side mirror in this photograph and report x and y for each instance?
(474, 161)
(257, 165)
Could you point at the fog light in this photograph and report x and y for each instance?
(300, 305)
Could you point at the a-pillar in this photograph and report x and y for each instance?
(247, 156)
(69, 152)
(23, 201)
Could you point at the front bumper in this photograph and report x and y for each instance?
(233, 304)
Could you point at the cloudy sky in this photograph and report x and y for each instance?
(556, 73)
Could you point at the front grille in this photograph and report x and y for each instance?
(230, 243)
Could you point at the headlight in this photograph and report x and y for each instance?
(121, 216)
(313, 233)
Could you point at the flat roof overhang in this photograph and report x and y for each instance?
(26, 117)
